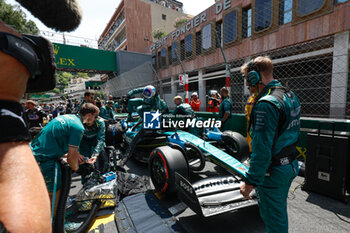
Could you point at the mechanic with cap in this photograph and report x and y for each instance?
(274, 127)
(214, 101)
(225, 108)
(195, 102)
(151, 101)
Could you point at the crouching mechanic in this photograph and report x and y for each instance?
(63, 134)
(274, 127)
(151, 101)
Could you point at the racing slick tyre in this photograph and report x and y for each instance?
(236, 145)
(114, 134)
(164, 161)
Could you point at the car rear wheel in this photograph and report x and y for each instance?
(164, 161)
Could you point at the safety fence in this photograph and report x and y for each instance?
(308, 42)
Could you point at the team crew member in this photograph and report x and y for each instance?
(93, 141)
(88, 98)
(275, 125)
(225, 109)
(214, 101)
(107, 112)
(117, 107)
(195, 102)
(33, 115)
(247, 111)
(63, 134)
(182, 108)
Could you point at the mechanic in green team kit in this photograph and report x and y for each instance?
(225, 108)
(151, 101)
(182, 108)
(61, 136)
(107, 111)
(274, 127)
(93, 140)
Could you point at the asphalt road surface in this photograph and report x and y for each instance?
(307, 212)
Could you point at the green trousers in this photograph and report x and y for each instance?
(272, 197)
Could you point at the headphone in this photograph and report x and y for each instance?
(254, 76)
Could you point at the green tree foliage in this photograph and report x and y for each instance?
(62, 80)
(158, 34)
(16, 18)
(180, 21)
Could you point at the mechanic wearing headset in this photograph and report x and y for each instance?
(274, 127)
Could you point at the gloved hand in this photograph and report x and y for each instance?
(85, 169)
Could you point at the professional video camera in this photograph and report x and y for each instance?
(36, 54)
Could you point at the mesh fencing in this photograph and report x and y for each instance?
(307, 41)
(121, 84)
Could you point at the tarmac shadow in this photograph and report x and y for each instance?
(335, 206)
(245, 220)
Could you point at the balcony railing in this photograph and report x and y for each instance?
(112, 30)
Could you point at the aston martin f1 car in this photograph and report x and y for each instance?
(175, 156)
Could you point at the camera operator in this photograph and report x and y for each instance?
(23, 193)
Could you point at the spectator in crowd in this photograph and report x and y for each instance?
(76, 104)
(46, 109)
(225, 109)
(69, 107)
(61, 109)
(195, 102)
(214, 101)
(32, 115)
(23, 104)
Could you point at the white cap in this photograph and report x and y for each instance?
(194, 93)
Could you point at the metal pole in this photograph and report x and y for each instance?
(228, 66)
(160, 83)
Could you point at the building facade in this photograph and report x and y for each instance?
(308, 41)
(131, 26)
